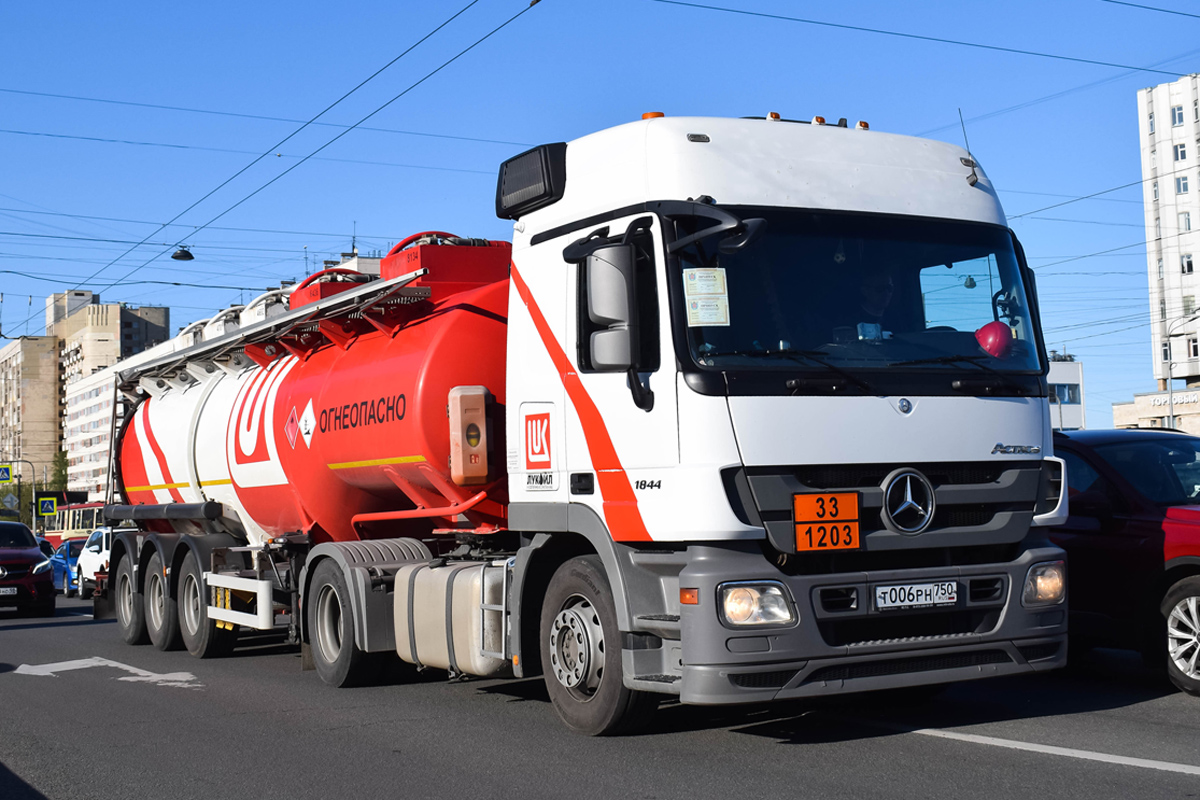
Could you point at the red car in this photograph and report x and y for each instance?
(26, 575)
(1133, 544)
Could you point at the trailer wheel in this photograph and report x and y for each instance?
(162, 616)
(336, 655)
(581, 654)
(1181, 607)
(131, 614)
(200, 635)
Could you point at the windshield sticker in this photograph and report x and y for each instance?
(707, 297)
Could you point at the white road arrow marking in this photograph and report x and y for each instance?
(183, 680)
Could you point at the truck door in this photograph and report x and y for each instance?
(627, 445)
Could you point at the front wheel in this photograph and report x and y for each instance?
(581, 654)
(66, 585)
(85, 593)
(1181, 608)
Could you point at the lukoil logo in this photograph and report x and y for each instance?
(537, 441)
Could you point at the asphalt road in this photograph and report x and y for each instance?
(132, 722)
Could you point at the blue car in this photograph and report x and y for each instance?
(66, 576)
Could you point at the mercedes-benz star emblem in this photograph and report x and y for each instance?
(908, 501)
(3, 572)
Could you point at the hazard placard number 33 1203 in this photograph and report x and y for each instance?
(826, 521)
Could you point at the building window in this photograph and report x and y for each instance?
(1151, 122)
(1065, 393)
(1162, 309)
(1180, 152)
(1166, 351)
(1185, 262)
(1185, 221)
(1176, 116)
(1156, 190)
(1181, 186)
(1157, 228)
(1193, 346)
(1189, 304)
(1196, 110)
(1160, 271)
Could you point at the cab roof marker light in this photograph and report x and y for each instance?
(773, 116)
(862, 125)
(818, 120)
(653, 115)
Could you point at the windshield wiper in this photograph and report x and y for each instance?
(812, 356)
(972, 359)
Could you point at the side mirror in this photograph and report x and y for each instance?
(1091, 504)
(94, 549)
(611, 305)
(751, 229)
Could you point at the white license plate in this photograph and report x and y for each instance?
(916, 595)
(8, 590)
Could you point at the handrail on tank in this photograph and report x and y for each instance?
(419, 513)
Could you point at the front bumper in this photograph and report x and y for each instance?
(842, 644)
(31, 590)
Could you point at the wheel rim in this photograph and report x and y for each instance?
(189, 605)
(154, 601)
(125, 599)
(1183, 636)
(329, 624)
(577, 647)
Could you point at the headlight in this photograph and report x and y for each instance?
(754, 604)
(39, 568)
(1045, 584)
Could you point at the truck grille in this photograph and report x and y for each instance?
(987, 503)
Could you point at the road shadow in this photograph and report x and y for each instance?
(56, 622)
(13, 788)
(1104, 680)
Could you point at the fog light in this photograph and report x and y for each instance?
(754, 604)
(1045, 584)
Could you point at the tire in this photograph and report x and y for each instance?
(199, 634)
(85, 593)
(581, 654)
(66, 584)
(131, 613)
(330, 625)
(1181, 609)
(162, 615)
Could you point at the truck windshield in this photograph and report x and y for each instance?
(858, 294)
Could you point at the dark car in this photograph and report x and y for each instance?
(1133, 544)
(26, 576)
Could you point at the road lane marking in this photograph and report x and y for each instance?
(183, 680)
(1086, 755)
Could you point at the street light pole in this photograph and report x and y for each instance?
(32, 516)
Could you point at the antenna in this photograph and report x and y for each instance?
(974, 177)
(354, 238)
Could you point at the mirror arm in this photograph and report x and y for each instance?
(643, 396)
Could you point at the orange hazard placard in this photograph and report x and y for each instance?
(826, 521)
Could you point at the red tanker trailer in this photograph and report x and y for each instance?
(656, 446)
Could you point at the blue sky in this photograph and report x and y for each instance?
(194, 93)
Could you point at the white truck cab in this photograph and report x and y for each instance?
(793, 373)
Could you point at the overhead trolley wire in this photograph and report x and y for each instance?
(1152, 8)
(275, 147)
(917, 36)
(258, 117)
(412, 86)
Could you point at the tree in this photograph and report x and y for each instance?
(58, 477)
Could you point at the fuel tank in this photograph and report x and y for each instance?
(308, 438)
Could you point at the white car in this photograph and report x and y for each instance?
(93, 558)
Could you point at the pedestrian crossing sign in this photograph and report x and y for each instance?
(6, 473)
(47, 506)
